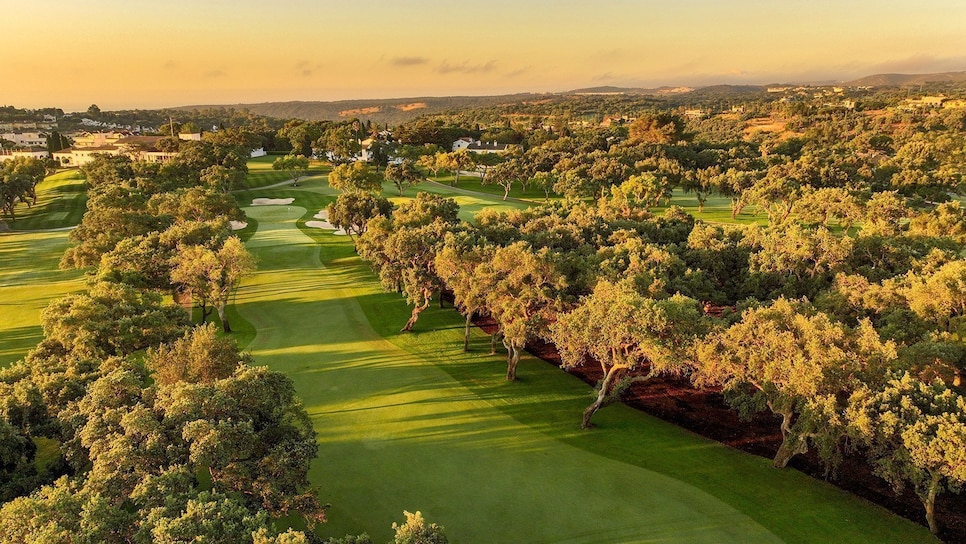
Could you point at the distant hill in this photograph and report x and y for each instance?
(901, 80)
(729, 91)
(389, 110)
(399, 110)
(610, 89)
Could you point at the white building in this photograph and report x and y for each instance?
(477, 146)
(31, 153)
(26, 139)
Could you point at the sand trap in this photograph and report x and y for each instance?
(238, 225)
(323, 215)
(272, 201)
(327, 226)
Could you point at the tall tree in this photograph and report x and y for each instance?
(355, 176)
(916, 435)
(798, 364)
(632, 337)
(212, 275)
(403, 175)
(294, 165)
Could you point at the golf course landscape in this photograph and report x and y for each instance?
(408, 421)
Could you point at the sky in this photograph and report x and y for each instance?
(126, 54)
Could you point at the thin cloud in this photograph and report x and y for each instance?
(518, 72)
(215, 74)
(307, 69)
(408, 61)
(169, 65)
(920, 64)
(466, 68)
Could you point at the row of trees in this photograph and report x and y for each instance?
(165, 430)
(817, 328)
(18, 184)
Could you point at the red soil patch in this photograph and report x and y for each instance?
(704, 412)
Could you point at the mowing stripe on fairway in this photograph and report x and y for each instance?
(397, 432)
(29, 280)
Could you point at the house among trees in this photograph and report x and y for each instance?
(476, 146)
(23, 144)
(144, 148)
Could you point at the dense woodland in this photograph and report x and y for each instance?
(841, 310)
(843, 315)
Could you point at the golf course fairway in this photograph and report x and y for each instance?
(401, 429)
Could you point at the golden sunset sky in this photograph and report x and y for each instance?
(139, 54)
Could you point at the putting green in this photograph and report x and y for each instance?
(396, 432)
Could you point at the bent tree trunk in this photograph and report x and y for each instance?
(604, 396)
(224, 317)
(792, 444)
(415, 315)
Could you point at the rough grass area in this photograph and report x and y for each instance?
(61, 200)
(410, 422)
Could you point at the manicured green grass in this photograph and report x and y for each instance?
(61, 200)
(410, 422)
(261, 174)
(474, 183)
(29, 280)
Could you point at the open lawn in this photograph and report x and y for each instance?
(61, 200)
(29, 280)
(261, 174)
(473, 183)
(410, 422)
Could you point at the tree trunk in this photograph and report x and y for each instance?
(415, 315)
(205, 312)
(224, 318)
(606, 385)
(791, 445)
(506, 192)
(512, 360)
(736, 207)
(929, 503)
(493, 338)
(466, 331)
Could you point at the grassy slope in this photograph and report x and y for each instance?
(60, 203)
(409, 422)
(29, 278)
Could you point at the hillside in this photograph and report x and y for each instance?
(388, 110)
(899, 80)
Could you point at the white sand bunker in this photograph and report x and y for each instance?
(324, 224)
(238, 225)
(272, 201)
(327, 226)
